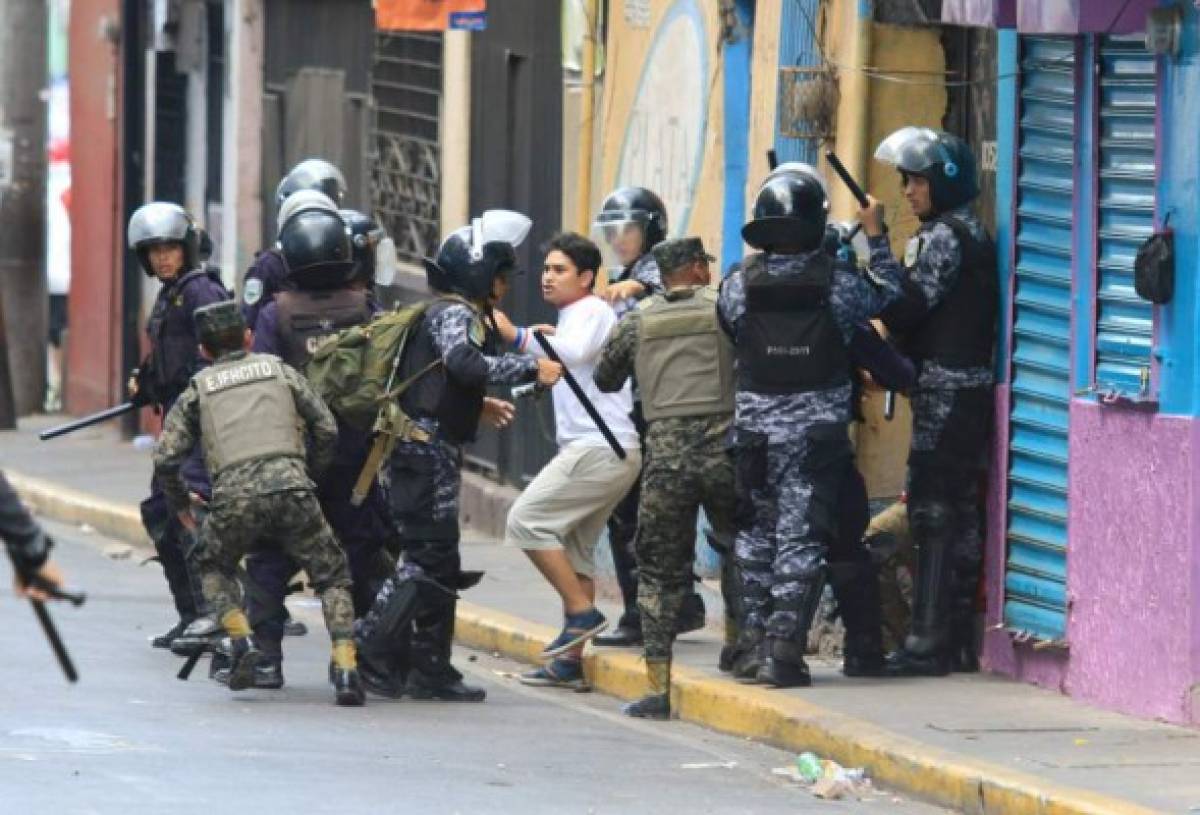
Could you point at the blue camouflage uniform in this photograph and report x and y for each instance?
(952, 401)
(793, 451)
(174, 357)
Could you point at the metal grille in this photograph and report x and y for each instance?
(406, 183)
(1035, 601)
(1124, 321)
(799, 64)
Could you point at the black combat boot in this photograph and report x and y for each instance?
(267, 676)
(165, 639)
(784, 666)
(380, 675)
(347, 686)
(201, 634)
(926, 649)
(656, 704)
(749, 655)
(628, 632)
(432, 677)
(692, 614)
(856, 589)
(244, 661)
(964, 650)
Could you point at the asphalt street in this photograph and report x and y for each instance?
(131, 738)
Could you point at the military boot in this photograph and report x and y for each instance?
(244, 660)
(165, 639)
(432, 677)
(926, 649)
(750, 655)
(729, 650)
(656, 704)
(380, 676)
(964, 651)
(343, 675)
(201, 634)
(628, 632)
(784, 666)
(856, 589)
(692, 614)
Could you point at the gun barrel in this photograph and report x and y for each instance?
(87, 421)
(847, 179)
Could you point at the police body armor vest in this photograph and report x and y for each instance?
(788, 341)
(684, 363)
(173, 353)
(454, 406)
(247, 412)
(308, 318)
(960, 331)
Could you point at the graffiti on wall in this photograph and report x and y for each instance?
(665, 134)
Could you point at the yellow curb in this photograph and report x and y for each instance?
(786, 721)
(64, 504)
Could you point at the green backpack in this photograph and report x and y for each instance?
(356, 371)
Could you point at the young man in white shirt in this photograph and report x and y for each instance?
(558, 519)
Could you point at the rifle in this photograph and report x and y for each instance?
(569, 378)
(44, 619)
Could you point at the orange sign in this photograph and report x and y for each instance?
(430, 15)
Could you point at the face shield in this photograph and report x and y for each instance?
(621, 236)
(498, 226)
(909, 149)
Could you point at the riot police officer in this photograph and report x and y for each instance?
(791, 311)
(631, 222)
(166, 242)
(946, 318)
(327, 295)
(453, 353)
(268, 274)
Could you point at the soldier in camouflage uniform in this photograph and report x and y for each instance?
(946, 318)
(791, 311)
(252, 415)
(682, 359)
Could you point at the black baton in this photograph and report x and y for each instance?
(87, 421)
(847, 179)
(56, 643)
(581, 396)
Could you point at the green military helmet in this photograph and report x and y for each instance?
(220, 325)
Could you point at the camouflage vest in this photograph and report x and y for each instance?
(684, 364)
(247, 412)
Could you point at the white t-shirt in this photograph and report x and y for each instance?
(582, 329)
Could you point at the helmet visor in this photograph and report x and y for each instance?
(504, 226)
(906, 149)
(621, 236)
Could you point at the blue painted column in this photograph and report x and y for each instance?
(1007, 60)
(737, 130)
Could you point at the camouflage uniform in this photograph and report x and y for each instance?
(793, 452)
(952, 410)
(687, 465)
(262, 498)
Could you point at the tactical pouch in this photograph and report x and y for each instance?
(750, 473)
(1154, 267)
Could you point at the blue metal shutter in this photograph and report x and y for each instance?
(1124, 321)
(797, 49)
(1035, 578)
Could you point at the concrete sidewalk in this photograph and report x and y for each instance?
(976, 743)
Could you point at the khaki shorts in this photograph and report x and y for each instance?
(569, 502)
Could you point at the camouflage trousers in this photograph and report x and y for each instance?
(294, 519)
(673, 490)
(788, 517)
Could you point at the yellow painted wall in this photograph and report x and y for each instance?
(628, 48)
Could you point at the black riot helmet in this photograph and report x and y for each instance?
(312, 174)
(316, 248)
(637, 206)
(943, 159)
(366, 236)
(471, 257)
(161, 222)
(790, 211)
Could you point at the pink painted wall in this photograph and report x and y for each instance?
(1132, 569)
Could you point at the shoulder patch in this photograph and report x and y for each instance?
(252, 292)
(912, 250)
(478, 333)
